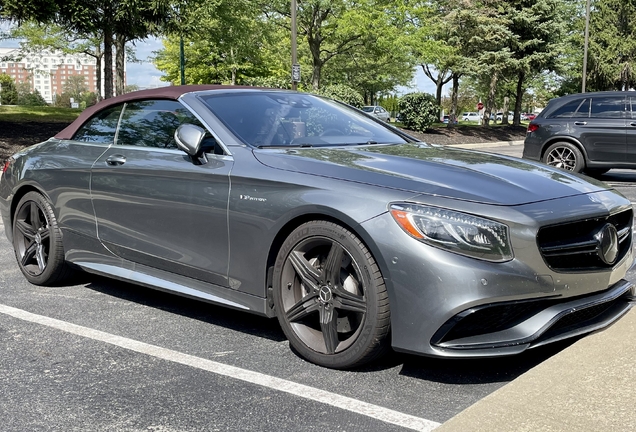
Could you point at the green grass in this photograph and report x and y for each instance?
(38, 114)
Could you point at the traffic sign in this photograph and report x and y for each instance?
(480, 106)
(296, 73)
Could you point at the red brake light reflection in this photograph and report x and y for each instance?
(532, 127)
(5, 167)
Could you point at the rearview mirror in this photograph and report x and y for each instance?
(188, 138)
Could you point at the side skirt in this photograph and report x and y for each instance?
(180, 285)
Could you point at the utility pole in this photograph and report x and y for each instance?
(181, 61)
(585, 45)
(294, 54)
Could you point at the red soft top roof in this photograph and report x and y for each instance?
(170, 92)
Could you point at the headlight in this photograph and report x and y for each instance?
(457, 232)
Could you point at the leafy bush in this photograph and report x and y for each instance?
(62, 100)
(8, 94)
(88, 99)
(418, 111)
(343, 93)
(32, 99)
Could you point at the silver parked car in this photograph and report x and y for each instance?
(470, 116)
(377, 111)
(354, 235)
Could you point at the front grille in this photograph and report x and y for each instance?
(573, 247)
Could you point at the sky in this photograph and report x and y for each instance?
(145, 74)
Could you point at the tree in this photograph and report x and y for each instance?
(537, 30)
(225, 43)
(343, 93)
(374, 69)
(331, 28)
(75, 86)
(612, 45)
(9, 93)
(429, 41)
(28, 97)
(123, 20)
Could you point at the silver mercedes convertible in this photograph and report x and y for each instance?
(354, 235)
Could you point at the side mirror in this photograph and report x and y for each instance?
(188, 138)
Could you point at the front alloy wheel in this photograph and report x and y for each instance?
(330, 297)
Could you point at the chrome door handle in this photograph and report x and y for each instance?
(116, 159)
(632, 124)
(580, 123)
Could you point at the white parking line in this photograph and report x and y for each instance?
(300, 390)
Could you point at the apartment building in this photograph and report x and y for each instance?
(48, 71)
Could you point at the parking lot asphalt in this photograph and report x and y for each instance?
(589, 386)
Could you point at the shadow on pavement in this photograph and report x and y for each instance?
(445, 371)
(195, 309)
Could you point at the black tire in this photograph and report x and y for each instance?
(565, 156)
(335, 315)
(37, 241)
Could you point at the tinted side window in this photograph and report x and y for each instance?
(152, 123)
(608, 107)
(567, 110)
(101, 127)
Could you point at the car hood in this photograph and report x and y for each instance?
(432, 170)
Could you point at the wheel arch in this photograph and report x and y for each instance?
(567, 139)
(17, 196)
(343, 221)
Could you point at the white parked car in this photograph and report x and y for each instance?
(377, 111)
(470, 116)
(499, 116)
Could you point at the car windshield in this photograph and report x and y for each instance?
(367, 109)
(281, 119)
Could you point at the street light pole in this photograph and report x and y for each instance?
(181, 61)
(585, 45)
(294, 54)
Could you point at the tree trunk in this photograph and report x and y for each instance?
(108, 63)
(439, 81)
(314, 42)
(491, 98)
(519, 102)
(454, 97)
(315, 74)
(98, 72)
(504, 114)
(120, 61)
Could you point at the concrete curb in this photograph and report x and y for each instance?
(487, 144)
(588, 386)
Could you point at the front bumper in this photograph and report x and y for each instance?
(447, 305)
(514, 327)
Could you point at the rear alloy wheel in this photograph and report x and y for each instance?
(37, 241)
(330, 296)
(565, 156)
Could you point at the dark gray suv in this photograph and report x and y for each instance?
(590, 132)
